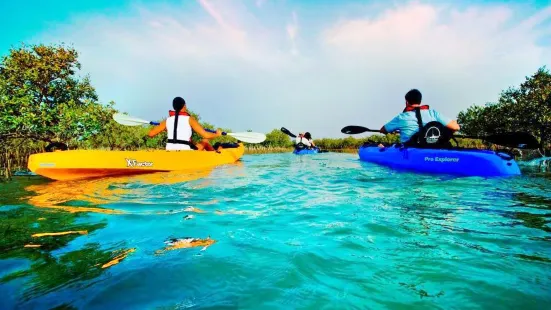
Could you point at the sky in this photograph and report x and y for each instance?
(312, 66)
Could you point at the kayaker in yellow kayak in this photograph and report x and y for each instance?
(179, 126)
(419, 120)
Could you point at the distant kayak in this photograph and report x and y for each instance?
(464, 162)
(83, 164)
(314, 150)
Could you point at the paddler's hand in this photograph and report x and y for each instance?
(218, 133)
(381, 146)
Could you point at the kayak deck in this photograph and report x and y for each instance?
(83, 164)
(464, 162)
(306, 151)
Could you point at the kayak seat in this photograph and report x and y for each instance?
(301, 146)
(227, 145)
(56, 146)
(433, 135)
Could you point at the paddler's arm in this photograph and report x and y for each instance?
(448, 122)
(453, 125)
(157, 129)
(201, 131)
(384, 132)
(392, 126)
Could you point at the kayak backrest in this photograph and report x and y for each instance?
(432, 135)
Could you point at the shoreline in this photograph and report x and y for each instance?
(277, 150)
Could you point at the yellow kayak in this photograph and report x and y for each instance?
(83, 164)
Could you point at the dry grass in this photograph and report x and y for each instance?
(266, 149)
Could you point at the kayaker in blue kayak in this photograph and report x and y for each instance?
(308, 137)
(305, 139)
(418, 123)
(179, 126)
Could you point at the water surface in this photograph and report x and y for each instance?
(322, 232)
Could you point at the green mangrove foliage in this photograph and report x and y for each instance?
(276, 138)
(42, 98)
(524, 108)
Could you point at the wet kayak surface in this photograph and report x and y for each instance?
(278, 231)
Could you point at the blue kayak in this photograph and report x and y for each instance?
(464, 162)
(314, 150)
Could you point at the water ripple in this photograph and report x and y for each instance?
(323, 231)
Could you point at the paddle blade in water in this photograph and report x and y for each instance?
(128, 120)
(353, 130)
(521, 140)
(287, 132)
(249, 137)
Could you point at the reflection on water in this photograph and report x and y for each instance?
(34, 233)
(19, 230)
(63, 233)
(186, 243)
(123, 254)
(102, 191)
(277, 231)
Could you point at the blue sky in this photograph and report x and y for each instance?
(307, 65)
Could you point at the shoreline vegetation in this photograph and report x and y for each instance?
(43, 100)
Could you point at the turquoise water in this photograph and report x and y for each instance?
(311, 232)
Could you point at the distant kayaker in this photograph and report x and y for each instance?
(179, 126)
(414, 117)
(308, 137)
(305, 139)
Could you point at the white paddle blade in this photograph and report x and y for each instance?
(249, 137)
(128, 120)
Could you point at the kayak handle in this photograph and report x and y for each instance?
(504, 156)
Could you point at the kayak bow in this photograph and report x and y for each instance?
(306, 151)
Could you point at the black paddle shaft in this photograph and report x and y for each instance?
(287, 132)
(521, 140)
(353, 130)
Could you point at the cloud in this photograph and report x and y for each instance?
(260, 3)
(240, 67)
(292, 30)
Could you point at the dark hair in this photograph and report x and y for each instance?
(414, 96)
(308, 136)
(178, 103)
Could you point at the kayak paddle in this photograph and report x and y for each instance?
(287, 132)
(354, 130)
(521, 140)
(249, 137)
(128, 120)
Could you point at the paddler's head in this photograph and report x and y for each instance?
(413, 97)
(179, 104)
(308, 136)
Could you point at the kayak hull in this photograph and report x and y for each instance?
(306, 151)
(84, 164)
(463, 162)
